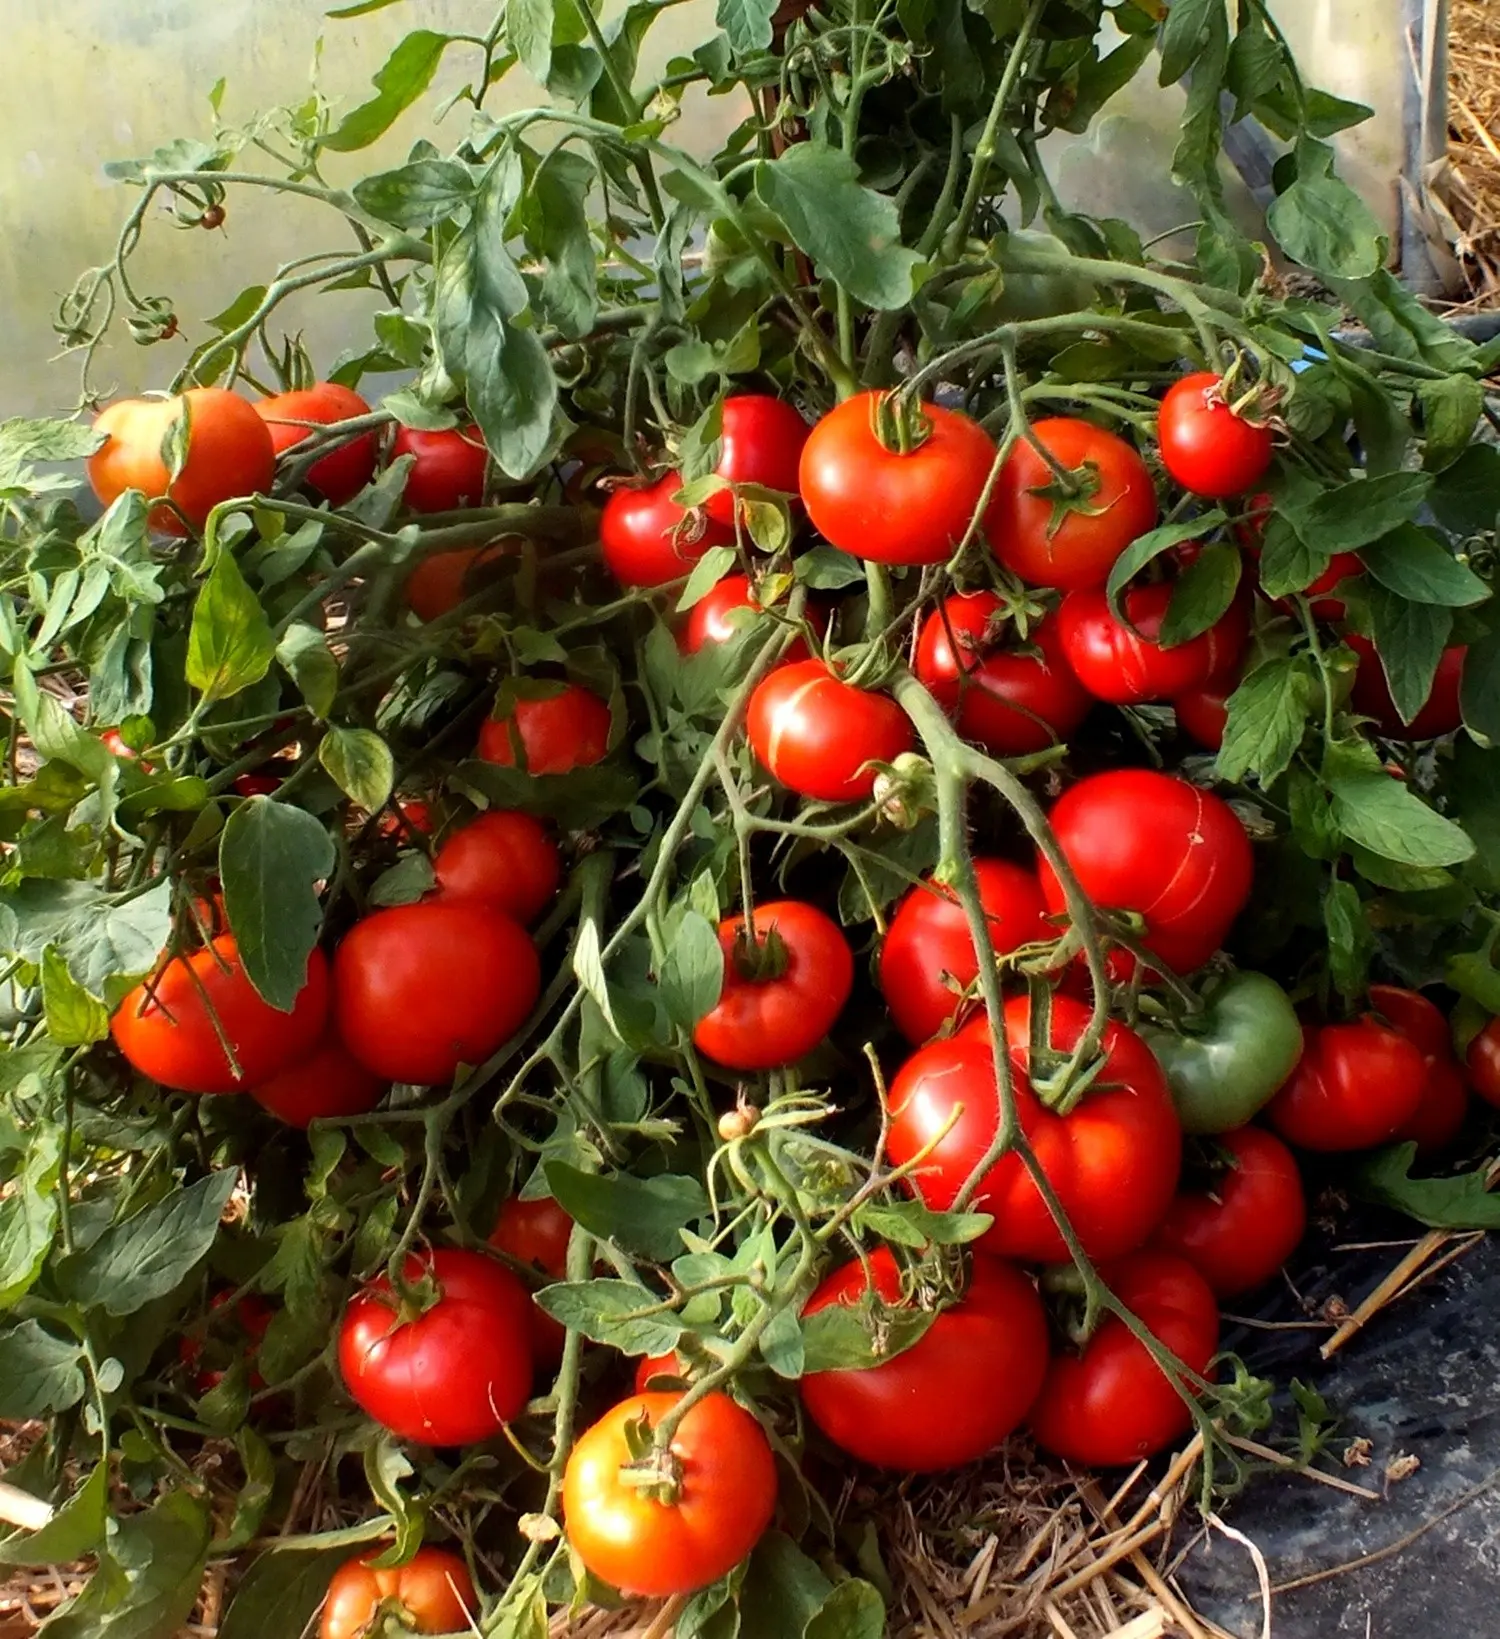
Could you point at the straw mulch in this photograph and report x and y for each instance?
(1473, 185)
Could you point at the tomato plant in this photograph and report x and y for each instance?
(928, 960)
(715, 1496)
(452, 1373)
(431, 1593)
(1111, 1403)
(1066, 528)
(1242, 1227)
(953, 1395)
(1011, 699)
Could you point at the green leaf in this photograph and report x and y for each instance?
(1267, 718)
(825, 569)
(839, 1338)
(1184, 35)
(1410, 638)
(29, 1213)
(1353, 515)
(310, 663)
(528, 28)
(557, 231)
(148, 1581)
(1415, 565)
(1144, 548)
(479, 297)
(1381, 814)
(1440, 1203)
(147, 1256)
(692, 976)
(1473, 974)
(1480, 690)
(602, 1311)
(230, 643)
(271, 858)
(1350, 942)
(1466, 497)
(418, 195)
(1202, 595)
(76, 1529)
(101, 940)
(909, 1223)
(361, 765)
(1451, 409)
(280, 1593)
(1321, 222)
(405, 75)
(580, 800)
(39, 1373)
(853, 1610)
(851, 233)
(783, 1590)
(74, 1018)
(644, 1215)
(709, 570)
(747, 23)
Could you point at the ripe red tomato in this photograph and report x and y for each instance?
(433, 1590)
(725, 1495)
(255, 785)
(877, 503)
(1012, 701)
(452, 1374)
(1129, 667)
(1205, 446)
(761, 443)
(759, 1023)
(1482, 1063)
(712, 618)
(1111, 1405)
(1239, 1232)
(342, 473)
(443, 580)
(230, 454)
(166, 1026)
(407, 818)
(1078, 548)
(956, 1393)
(330, 1081)
(558, 733)
(504, 859)
(1151, 843)
(928, 958)
(649, 540)
(420, 989)
(1356, 1085)
(449, 469)
(1113, 1159)
(1445, 1098)
(537, 1232)
(1440, 714)
(248, 1322)
(818, 734)
(1204, 712)
(650, 1367)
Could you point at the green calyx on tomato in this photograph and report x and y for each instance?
(1227, 1062)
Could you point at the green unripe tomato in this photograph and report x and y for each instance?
(1030, 292)
(1235, 1055)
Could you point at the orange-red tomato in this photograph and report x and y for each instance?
(1356, 1085)
(1482, 1063)
(443, 580)
(229, 454)
(166, 1027)
(1205, 445)
(420, 989)
(537, 1232)
(504, 859)
(820, 736)
(1204, 712)
(449, 467)
(341, 474)
(249, 1319)
(928, 957)
(330, 1081)
(725, 1497)
(647, 539)
(433, 1590)
(1445, 1098)
(712, 618)
(761, 1022)
(561, 732)
(1126, 664)
(1076, 548)
(1440, 713)
(760, 443)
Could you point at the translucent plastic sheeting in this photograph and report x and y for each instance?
(89, 82)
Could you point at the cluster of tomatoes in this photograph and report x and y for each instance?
(450, 1353)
